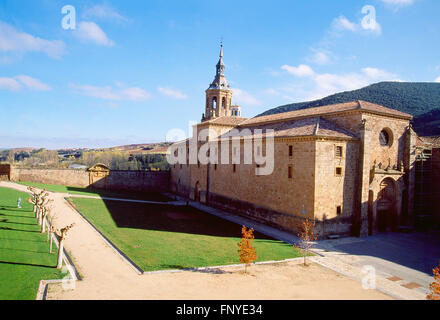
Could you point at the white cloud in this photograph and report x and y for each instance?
(301, 71)
(12, 40)
(375, 73)
(398, 3)
(110, 93)
(245, 98)
(91, 32)
(367, 24)
(322, 85)
(135, 94)
(33, 84)
(175, 94)
(342, 23)
(320, 58)
(9, 84)
(437, 80)
(18, 83)
(103, 12)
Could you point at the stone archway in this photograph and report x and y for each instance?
(197, 192)
(387, 206)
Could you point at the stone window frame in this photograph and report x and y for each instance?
(339, 210)
(339, 151)
(290, 172)
(341, 174)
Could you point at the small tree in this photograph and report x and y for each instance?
(306, 239)
(435, 286)
(246, 252)
(62, 237)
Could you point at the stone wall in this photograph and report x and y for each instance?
(67, 177)
(436, 181)
(144, 181)
(5, 172)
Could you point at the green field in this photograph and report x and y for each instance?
(160, 237)
(24, 252)
(98, 193)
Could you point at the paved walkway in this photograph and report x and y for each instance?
(107, 276)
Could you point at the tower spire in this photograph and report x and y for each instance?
(219, 94)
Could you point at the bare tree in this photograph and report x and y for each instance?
(307, 238)
(62, 237)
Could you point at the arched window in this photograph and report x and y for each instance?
(224, 103)
(214, 103)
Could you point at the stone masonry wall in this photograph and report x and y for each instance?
(117, 180)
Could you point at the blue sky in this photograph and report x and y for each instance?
(133, 70)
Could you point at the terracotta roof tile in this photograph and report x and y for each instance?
(297, 128)
(226, 121)
(335, 108)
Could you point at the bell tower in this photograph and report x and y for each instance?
(219, 95)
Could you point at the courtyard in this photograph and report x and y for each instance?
(105, 275)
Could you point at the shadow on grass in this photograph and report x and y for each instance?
(14, 216)
(167, 218)
(21, 230)
(122, 194)
(23, 250)
(14, 209)
(22, 240)
(12, 222)
(27, 264)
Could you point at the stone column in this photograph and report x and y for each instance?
(411, 172)
(364, 172)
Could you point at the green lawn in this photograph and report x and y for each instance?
(24, 252)
(99, 193)
(160, 237)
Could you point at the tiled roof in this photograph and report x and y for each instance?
(226, 121)
(434, 141)
(335, 108)
(298, 128)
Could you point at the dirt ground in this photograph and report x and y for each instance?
(286, 281)
(108, 276)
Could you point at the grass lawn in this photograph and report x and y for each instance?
(160, 237)
(24, 252)
(99, 193)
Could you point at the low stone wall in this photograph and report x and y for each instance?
(67, 177)
(145, 181)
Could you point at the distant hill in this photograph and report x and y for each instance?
(420, 99)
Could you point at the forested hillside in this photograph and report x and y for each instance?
(422, 100)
